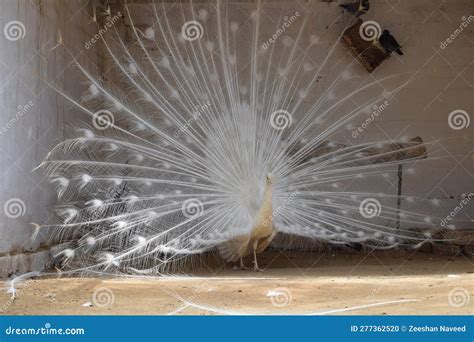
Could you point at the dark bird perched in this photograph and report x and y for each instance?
(389, 43)
(357, 8)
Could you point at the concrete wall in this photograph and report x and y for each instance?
(33, 117)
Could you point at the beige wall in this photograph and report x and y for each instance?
(33, 118)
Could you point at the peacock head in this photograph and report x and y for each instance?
(269, 179)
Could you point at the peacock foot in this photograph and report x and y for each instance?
(241, 268)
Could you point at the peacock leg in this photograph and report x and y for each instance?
(255, 263)
(241, 266)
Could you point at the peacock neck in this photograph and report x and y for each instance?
(266, 208)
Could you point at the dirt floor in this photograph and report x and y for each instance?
(377, 283)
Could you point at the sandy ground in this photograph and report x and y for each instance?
(379, 283)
